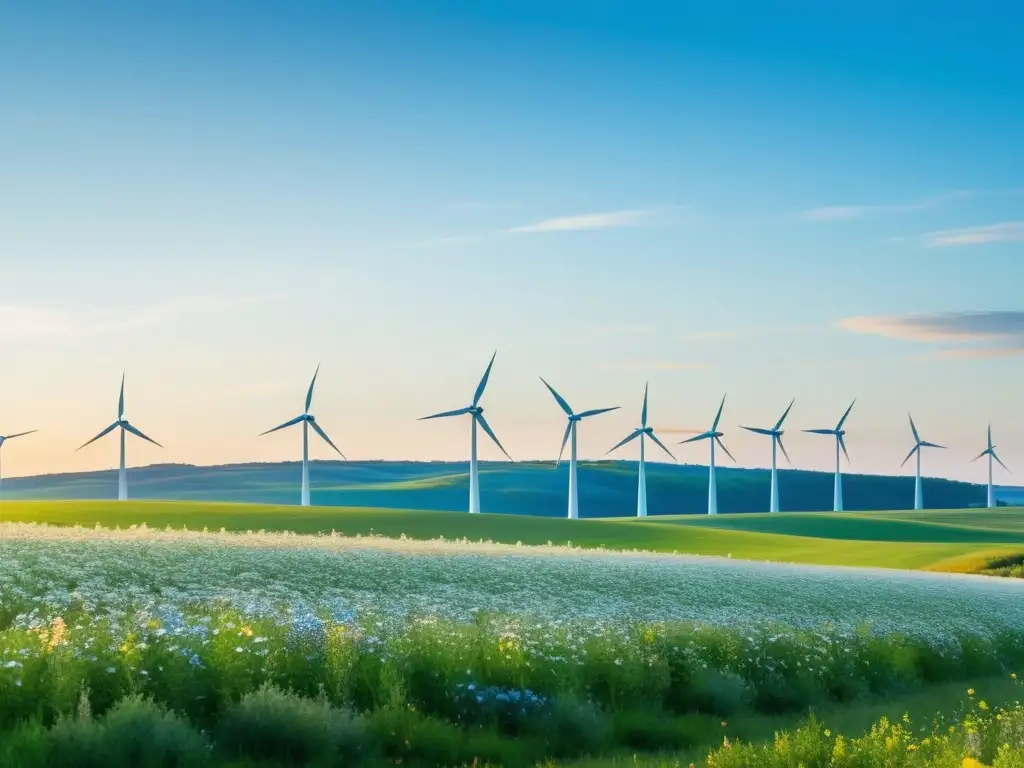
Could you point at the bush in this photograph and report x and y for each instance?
(271, 724)
(135, 733)
(571, 728)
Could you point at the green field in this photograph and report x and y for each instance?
(937, 540)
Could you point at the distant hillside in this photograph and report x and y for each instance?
(607, 488)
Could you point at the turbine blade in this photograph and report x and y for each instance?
(778, 424)
(558, 398)
(783, 449)
(695, 438)
(820, 431)
(926, 444)
(483, 381)
(294, 421)
(661, 445)
(990, 437)
(912, 452)
(596, 411)
(843, 420)
(565, 439)
(104, 433)
(714, 427)
(722, 446)
(309, 394)
(490, 432)
(120, 401)
(994, 456)
(20, 434)
(913, 429)
(758, 430)
(980, 455)
(458, 412)
(643, 413)
(631, 436)
(319, 431)
(129, 428)
(842, 444)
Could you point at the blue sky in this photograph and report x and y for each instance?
(776, 203)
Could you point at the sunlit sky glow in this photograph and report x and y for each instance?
(218, 196)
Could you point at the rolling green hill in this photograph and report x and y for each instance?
(607, 488)
(923, 540)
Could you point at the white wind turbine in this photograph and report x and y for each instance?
(307, 420)
(4, 439)
(918, 445)
(642, 431)
(990, 452)
(837, 500)
(715, 437)
(125, 427)
(570, 430)
(477, 414)
(775, 433)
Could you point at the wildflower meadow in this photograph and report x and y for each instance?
(180, 648)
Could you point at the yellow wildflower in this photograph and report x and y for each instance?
(970, 762)
(247, 631)
(57, 631)
(828, 733)
(911, 747)
(982, 705)
(970, 691)
(1013, 675)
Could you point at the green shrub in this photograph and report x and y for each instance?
(135, 733)
(271, 724)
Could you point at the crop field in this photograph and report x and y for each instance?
(434, 638)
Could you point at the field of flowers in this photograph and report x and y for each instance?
(443, 652)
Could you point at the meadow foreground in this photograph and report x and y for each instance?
(442, 652)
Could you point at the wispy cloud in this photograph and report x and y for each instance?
(1003, 232)
(850, 212)
(587, 221)
(981, 334)
(34, 322)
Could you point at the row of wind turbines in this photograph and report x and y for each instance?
(641, 433)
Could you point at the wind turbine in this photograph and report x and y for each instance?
(715, 437)
(307, 420)
(918, 445)
(775, 433)
(477, 413)
(837, 502)
(990, 452)
(125, 427)
(642, 431)
(4, 439)
(570, 430)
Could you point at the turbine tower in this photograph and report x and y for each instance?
(570, 430)
(776, 435)
(477, 413)
(125, 427)
(307, 420)
(642, 431)
(4, 439)
(837, 501)
(918, 445)
(990, 452)
(715, 437)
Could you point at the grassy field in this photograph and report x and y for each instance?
(959, 541)
(387, 649)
